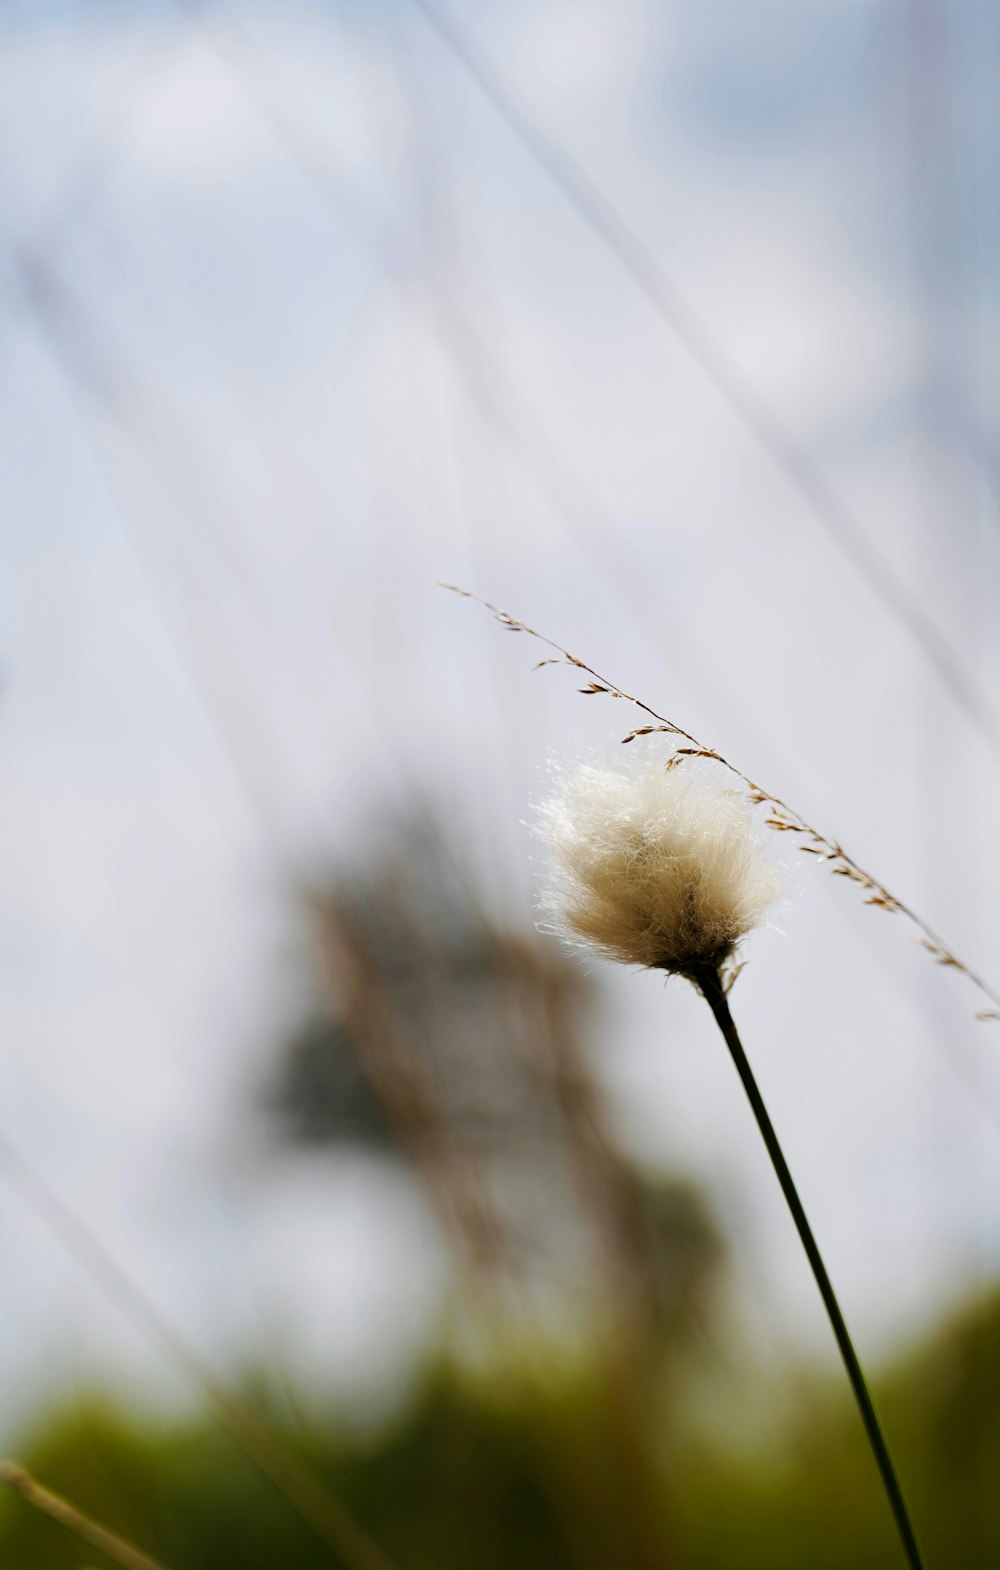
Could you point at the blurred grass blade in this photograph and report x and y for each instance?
(58, 1509)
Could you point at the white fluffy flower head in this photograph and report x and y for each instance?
(654, 866)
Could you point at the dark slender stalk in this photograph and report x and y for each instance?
(711, 986)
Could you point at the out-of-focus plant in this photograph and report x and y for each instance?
(519, 1471)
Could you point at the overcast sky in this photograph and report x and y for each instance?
(291, 326)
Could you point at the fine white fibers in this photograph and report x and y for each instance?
(653, 866)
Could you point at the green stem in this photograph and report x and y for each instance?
(711, 986)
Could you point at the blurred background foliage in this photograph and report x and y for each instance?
(589, 1403)
(524, 1470)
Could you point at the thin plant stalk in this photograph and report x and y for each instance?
(58, 1509)
(709, 982)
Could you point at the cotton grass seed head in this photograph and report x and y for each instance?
(653, 866)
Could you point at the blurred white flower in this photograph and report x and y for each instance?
(653, 866)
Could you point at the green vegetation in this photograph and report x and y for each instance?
(525, 1474)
